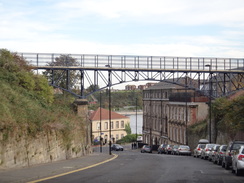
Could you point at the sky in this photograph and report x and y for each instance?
(183, 28)
(209, 28)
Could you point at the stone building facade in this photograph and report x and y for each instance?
(101, 125)
(167, 111)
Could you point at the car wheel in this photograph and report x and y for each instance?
(237, 172)
(227, 166)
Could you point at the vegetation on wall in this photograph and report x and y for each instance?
(28, 102)
(228, 115)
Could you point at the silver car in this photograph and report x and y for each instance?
(197, 151)
(238, 161)
(205, 152)
(183, 150)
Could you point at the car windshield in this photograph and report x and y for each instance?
(236, 146)
(201, 146)
(184, 147)
(224, 148)
(210, 145)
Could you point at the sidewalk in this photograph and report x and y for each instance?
(50, 169)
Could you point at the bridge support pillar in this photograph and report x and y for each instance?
(81, 107)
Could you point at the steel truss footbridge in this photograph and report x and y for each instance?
(220, 75)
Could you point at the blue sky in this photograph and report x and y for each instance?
(209, 28)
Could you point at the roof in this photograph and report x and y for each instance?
(105, 115)
(176, 83)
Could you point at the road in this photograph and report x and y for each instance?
(131, 166)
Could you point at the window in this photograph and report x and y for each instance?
(122, 135)
(112, 125)
(98, 126)
(117, 136)
(117, 124)
(106, 125)
(122, 124)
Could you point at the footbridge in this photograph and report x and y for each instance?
(75, 72)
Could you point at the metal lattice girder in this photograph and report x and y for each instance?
(223, 75)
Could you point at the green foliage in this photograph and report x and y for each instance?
(15, 71)
(128, 128)
(229, 115)
(127, 139)
(199, 128)
(61, 75)
(92, 88)
(129, 99)
(27, 102)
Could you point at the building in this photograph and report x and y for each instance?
(130, 87)
(100, 125)
(167, 111)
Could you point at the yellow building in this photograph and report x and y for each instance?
(101, 125)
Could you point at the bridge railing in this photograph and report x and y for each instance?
(139, 62)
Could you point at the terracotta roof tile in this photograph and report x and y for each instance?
(105, 115)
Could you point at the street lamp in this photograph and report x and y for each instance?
(210, 102)
(100, 122)
(109, 93)
(136, 122)
(186, 105)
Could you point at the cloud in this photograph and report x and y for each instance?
(186, 12)
(194, 28)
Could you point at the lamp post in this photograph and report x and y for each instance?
(100, 122)
(210, 103)
(109, 93)
(136, 122)
(186, 105)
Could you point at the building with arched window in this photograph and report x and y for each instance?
(101, 125)
(167, 111)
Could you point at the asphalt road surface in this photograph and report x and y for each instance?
(132, 166)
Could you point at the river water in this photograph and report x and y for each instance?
(133, 123)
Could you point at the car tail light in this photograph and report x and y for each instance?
(240, 157)
(198, 149)
(207, 149)
(221, 153)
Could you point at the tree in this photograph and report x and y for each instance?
(229, 115)
(60, 76)
(92, 88)
(128, 129)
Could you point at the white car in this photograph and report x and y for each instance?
(238, 161)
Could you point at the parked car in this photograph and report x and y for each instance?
(117, 147)
(203, 141)
(183, 150)
(168, 149)
(227, 159)
(213, 152)
(146, 149)
(220, 153)
(197, 151)
(174, 149)
(238, 161)
(161, 148)
(206, 150)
